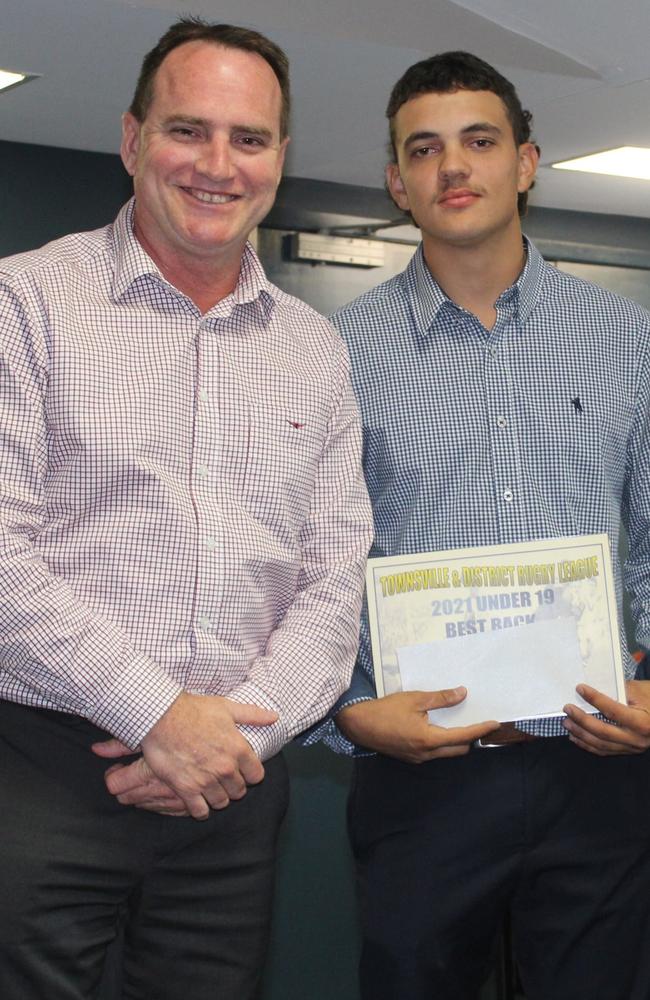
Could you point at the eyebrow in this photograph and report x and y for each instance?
(263, 133)
(466, 130)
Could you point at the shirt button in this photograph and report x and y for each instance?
(204, 622)
(494, 351)
(203, 396)
(508, 496)
(502, 421)
(211, 542)
(202, 471)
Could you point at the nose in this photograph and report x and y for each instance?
(454, 163)
(215, 159)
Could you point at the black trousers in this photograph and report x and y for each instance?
(195, 897)
(556, 837)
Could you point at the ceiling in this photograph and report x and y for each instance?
(583, 70)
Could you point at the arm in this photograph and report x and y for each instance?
(631, 734)
(308, 660)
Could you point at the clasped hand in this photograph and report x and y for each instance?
(193, 759)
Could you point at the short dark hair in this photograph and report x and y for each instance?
(229, 36)
(451, 71)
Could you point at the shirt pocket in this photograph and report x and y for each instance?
(283, 449)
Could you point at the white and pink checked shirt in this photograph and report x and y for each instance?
(182, 505)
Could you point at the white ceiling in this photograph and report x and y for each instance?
(582, 68)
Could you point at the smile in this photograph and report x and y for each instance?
(208, 198)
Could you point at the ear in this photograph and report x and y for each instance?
(528, 160)
(395, 186)
(130, 142)
(283, 152)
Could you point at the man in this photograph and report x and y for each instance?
(184, 528)
(465, 367)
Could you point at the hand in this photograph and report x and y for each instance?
(630, 735)
(398, 726)
(141, 788)
(196, 751)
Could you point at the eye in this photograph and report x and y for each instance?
(252, 142)
(183, 132)
(482, 143)
(419, 152)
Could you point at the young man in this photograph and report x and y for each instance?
(184, 527)
(466, 366)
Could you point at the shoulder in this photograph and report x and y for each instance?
(562, 291)
(302, 319)
(51, 263)
(373, 302)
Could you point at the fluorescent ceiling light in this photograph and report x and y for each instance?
(626, 161)
(10, 79)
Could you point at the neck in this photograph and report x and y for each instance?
(205, 280)
(475, 276)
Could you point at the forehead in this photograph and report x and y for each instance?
(205, 77)
(450, 113)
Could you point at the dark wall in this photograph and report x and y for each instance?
(47, 192)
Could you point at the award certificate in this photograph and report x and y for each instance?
(517, 625)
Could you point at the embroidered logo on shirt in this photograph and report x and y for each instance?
(577, 405)
(295, 423)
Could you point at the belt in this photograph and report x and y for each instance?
(504, 736)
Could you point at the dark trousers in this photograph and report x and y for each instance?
(195, 897)
(556, 837)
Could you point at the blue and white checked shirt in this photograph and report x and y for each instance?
(472, 437)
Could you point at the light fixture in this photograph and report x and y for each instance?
(8, 78)
(626, 161)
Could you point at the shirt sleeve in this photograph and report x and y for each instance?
(61, 655)
(308, 660)
(636, 502)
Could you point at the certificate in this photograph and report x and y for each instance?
(517, 625)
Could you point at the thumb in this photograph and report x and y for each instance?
(252, 715)
(112, 748)
(443, 699)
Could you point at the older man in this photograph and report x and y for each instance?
(183, 530)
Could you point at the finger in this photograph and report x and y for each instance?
(251, 715)
(592, 724)
(228, 781)
(112, 748)
(217, 797)
(461, 735)
(441, 699)
(151, 790)
(589, 747)
(144, 799)
(163, 810)
(195, 805)
(600, 734)
(457, 751)
(601, 747)
(252, 770)
(125, 778)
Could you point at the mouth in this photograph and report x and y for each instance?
(210, 197)
(458, 198)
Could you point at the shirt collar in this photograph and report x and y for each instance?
(428, 299)
(132, 262)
